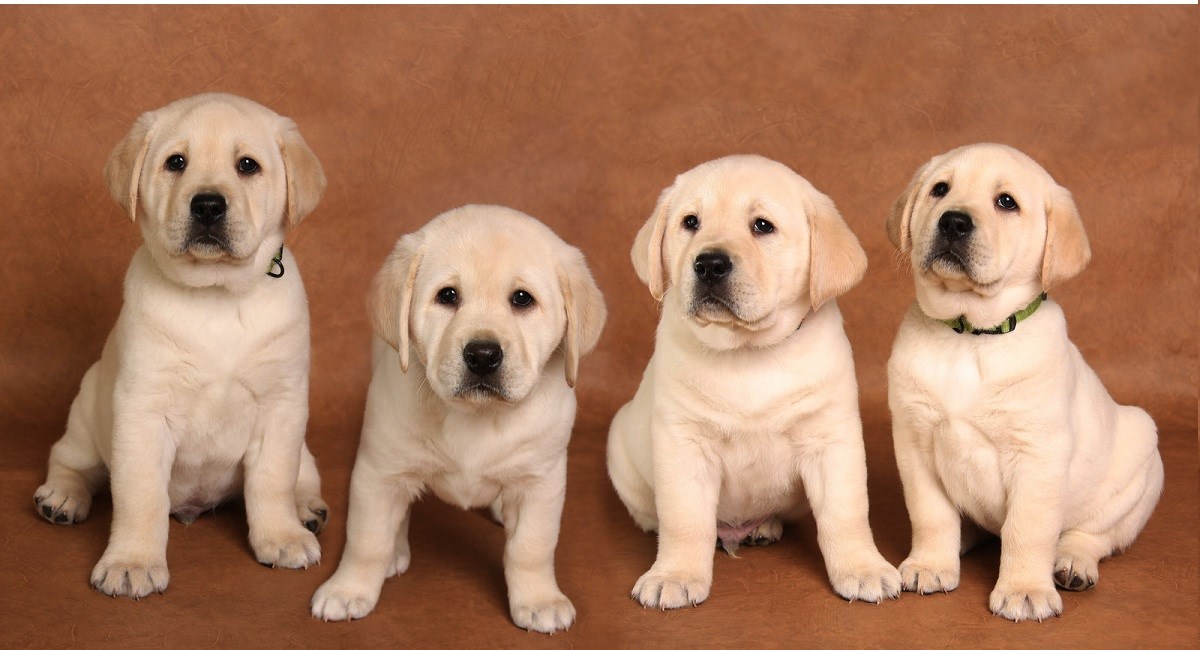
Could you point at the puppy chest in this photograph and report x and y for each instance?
(758, 478)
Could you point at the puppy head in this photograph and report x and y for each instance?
(985, 218)
(747, 247)
(214, 180)
(485, 296)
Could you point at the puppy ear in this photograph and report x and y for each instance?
(901, 215)
(390, 300)
(836, 261)
(1067, 250)
(647, 253)
(123, 171)
(585, 308)
(305, 178)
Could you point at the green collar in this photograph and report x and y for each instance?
(276, 261)
(961, 325)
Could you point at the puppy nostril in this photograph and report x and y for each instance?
(208, 208)
(712, 266)
(954, 225)
(482, 357)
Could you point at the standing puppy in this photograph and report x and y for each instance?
(492, 311)
(995, 414)
(749, 404)
(201, 391)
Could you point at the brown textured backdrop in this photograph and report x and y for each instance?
(579, 116)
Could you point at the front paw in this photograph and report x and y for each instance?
(547, 616)
(926, 577)
(63, 503)
(293, 548)
(1025, 602)
(870, 578)
(132, 576)
(663, 589)
(342, 599)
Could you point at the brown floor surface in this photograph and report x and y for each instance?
(580, 117)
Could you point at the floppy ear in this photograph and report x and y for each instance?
(647, 253)
(1067, 250)
(901, 215)
(123, 171)
(305, 178)
(836, 261)
(585, 311)
(390, 300)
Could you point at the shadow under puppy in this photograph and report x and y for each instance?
(748, 410)
(201, 391)
(494, 311)
(995, 414)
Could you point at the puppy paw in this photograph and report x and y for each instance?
(870, 578)
(671, 589)
(296, 548)
(134, 577)
(546, 616)
(1025, 602)
(927, 577)
(61, 503)
(340, 599)
(400, 560)
(767, 533)
(1075, 573)
(313, 513)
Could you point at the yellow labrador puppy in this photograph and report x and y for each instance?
(201, 391)
(748, 411)
(481, 317)
(995, 414)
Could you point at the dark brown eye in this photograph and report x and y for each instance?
(940, 189)
(691, 222)
(247, 165)
(176, 163)
(1006, 202)
(522, 298)
(763, 227)
(447, 296)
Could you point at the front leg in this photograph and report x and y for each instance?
(272, 464)
(532, 515)
(933, 563)
(135, 562)
(835, 479)
(686, 487)
(1029, 538)
(374, 549)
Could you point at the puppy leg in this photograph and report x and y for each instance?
(272, 467)
(835, 480)
(377, 509)
(532, 517)
(634, 491)
(76, 470)
(1028, 539)
(937, 528)
(401, 555)
(686, 485)
(310, 507)
(135, 562)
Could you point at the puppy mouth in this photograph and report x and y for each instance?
(712, 308)
(480, 391)
(953, 268)
(208, 247)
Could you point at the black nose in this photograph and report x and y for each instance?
(955, 225)
(482, 357)
(712, 266)
(208, 208)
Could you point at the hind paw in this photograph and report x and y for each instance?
(62, 504)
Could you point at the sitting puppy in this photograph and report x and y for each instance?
(201, 391)
(494, 311)
(995, 414)
(749, 403)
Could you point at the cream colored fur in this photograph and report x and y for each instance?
(201, 391)
(506, 449)
(1013, 431)
(747, 412)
